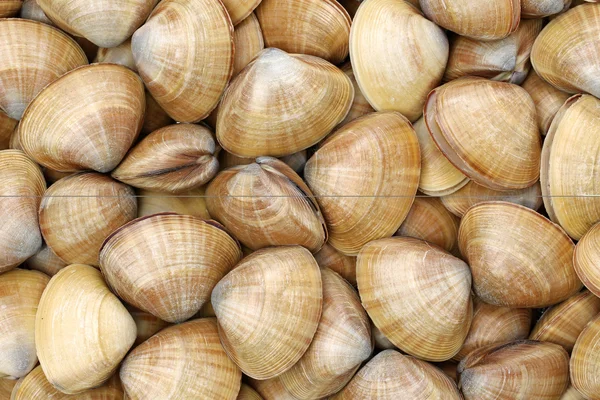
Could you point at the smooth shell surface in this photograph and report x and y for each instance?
(543, 8)
(239, 10)
(411, 54)
(45, 261)
(7, 127)
(146, 323)
(547, 99)
(190, 202)
(585, 361)
(329, 257)
(32, 10)
(117, 55)
(360, 105)
(248, 40)
(586, 259)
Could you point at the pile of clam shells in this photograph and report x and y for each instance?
(299, 199)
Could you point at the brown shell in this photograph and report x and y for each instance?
(329, 257)
(547, 99)
(45, 261)
(154, 117)
(380, 340)
(147, 324)
(271, 389)
(585, 360)
(6, 388)
(248, 40)
(7, 127)
(10, 8)
(360, 105)
(543, 8)
(121, 55)
(587, 254)
(192, 202)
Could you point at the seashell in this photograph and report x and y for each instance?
(450, 368)
(184, 54)
(228, 160)
(206, 311)
(505, 60)
(547, 99)
(318, 28)
(89, 48)
(585, 362)
(360, 105)
(53, 175)
(381, 341)
(543, 8)
(572, 394)
(430, 221)
(87, 119)
(266, 204)
(518, 370)
(14, 142)
(411, 54)
(32, 10)
(392, 376)
(460, 201)
(240, 10)
(570, 180)
(106, 24)
(248, 41)
(271, 389)
(35, 386)
(168, 264)
(253, 118)
(329, 257)
(7, 127)
(296, 161)
(20, 292)
(508, 270)
(80, 320)
(268, 309)
(379, 155)
(120, 54)
(585, 259)
(78, 212)
(45, 261)
(399, 278)
(342, 342)
(565, 53)
(10, 8)
(247, 393)
(26, 70)
(507, 156)
(21, 185)
(147, 324)
(154, 117)
(483, 21)
(6, 388)
(184, 361)
(192, 202)
(173, 159)
(495, 325)
(562, 323)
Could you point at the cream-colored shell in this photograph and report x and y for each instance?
(121, 55)
(586, 259)
(547, 99)
(329, 257)
(585, 360)
(147, 324)
(360, 105)
(271, 389)
(248, 41)
(572, 394)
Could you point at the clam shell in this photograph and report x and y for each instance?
(399, 278)
(21, 185)
(45, 261)
(342, 342)
(296, 161)
(247, 393)
(121, 55)
(81, 321)
(254, 115)
(329, 257)
(26, 70)
(365, 177)
(508, 268)
(547, 99)
(184, 54)
(78, 212)
(266, 204)
(32, 10)
(239, 10)
(360, 106)
(192, 202)
(248, 41)
(7, 127)
(585, 360)
(10, 8)
(562, 323)
(501, 151)
(381, 342)
(392, 376)
(397, 55)
(268, 309)
(20, 293)
(450, 368)
(168, 264)
(585, 260)
(572, 394)
(147, 324)
(517, 370)
(318, 28)
(271, 389)
(6, 387)
(184, 361)
(543, 8)
(87, 119)
(154, 117)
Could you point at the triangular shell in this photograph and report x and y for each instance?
(268, 309)
(185, 361)
(87, 119)
(269, 110)
(82, 331)
(585, 360)
(184, 54)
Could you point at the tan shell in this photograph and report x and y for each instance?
(121, 55)
(21, 185)
(53, 175)
(392, 376)
(82, 331)
(518, 370)
(87, 119)
(7, 127)
(543, 8)
(460, 201)
(504, 60)
(14, 142)
(318, 28)
(271, 389)
(329, 257)
(184, 54)
(154, 117)
(147, 324)
(268, 309)
(78, 212)
(168, 264)
(6, 388)
(547, 99)
(565, 54)
(296, 161)
(399, 278)
(181, 362)
(26, 70)
(20, 293)
(35, 386)
(32, 10)
(450, 368)
(508, 268)
(365, 177)
(360, 105)
(247, 393)
(10, 8)
(571, 182)
(475, 19)
(501, 151)
(495, 325)
(587, 254)
(563, 323)
(248, 40)
(104, 23)
(342, 342)
(397, 56)
(585, 361)
(239, 10)
(266, 204)
(257, 116)
(429, 220)
(572, 394)
(173, 159)
(45, 261)
(191, 202)
(380, 340)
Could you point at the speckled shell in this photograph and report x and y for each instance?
(45, 261)
(329, 257)
(191, 202)
(547, 99)
(248, 40)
